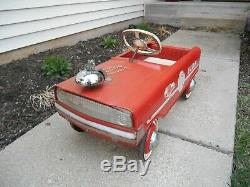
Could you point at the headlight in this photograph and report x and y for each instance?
(96, 110)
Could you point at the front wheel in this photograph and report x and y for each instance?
(149, 142)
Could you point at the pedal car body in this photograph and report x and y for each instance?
(127, 106)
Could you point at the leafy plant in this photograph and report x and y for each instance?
(109, 42)
(144, 26)
(56, 66)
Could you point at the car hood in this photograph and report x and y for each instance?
(137, 87)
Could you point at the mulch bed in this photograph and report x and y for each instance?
(22, 78)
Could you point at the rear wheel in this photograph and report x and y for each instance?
(189, 90)
(187, 95)
(149, 142)
(76, 128)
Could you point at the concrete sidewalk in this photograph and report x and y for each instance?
(196, 142)
(209, 116)
(226, 15)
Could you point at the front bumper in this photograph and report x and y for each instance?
(98, 129)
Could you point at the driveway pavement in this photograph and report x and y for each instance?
(196, 139)
(209, 116)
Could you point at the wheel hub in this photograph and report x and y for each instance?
(153, 142)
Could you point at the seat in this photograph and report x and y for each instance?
(160, 61)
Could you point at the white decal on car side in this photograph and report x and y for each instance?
(169, 90)
(181, 81)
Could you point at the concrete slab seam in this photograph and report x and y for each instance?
(217, 149)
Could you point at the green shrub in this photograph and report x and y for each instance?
(144, 26)
(109, 42)
(56, 66)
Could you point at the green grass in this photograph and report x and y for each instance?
(241, 170)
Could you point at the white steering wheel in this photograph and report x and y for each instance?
(139, 45)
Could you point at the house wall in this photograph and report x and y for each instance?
(28, 22)
(69, 40)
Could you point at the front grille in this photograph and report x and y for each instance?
(95, 109)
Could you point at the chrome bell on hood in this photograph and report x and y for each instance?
(90, 76)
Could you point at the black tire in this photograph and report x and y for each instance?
(76, 128)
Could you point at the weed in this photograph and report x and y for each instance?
(109, 42)
(56, 66)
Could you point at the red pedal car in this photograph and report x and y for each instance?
(122, 99)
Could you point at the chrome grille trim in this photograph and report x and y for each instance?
(95, 109)
(127, 135)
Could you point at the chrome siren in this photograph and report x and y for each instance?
(90, 76)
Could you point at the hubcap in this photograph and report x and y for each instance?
(192, 85)
(191, 88)
(152, 145)
(153, 140)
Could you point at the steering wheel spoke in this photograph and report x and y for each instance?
(137, 35)
(141, 44)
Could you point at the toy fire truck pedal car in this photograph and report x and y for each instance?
(122, 99)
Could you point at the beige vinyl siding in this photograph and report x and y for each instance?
(27, 22)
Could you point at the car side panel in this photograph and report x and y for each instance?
(189, 65)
